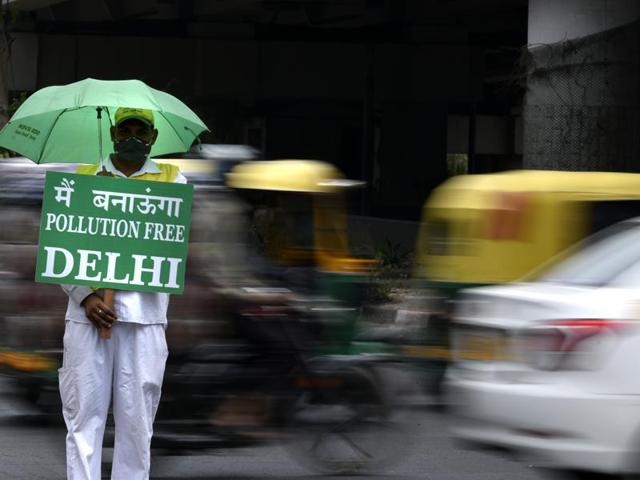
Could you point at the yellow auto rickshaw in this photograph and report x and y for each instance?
(300, 220)
(307, 206)
(496, 228)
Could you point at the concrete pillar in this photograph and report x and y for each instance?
(582, 108)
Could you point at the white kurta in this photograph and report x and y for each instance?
(127, 370)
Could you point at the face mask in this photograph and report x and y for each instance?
(132, 150)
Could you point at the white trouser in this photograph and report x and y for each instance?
(131, 365)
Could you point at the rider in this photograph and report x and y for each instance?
(257, 291)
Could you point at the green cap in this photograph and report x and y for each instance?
(141, 114)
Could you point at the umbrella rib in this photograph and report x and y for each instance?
(108, 116)
(100, 133)
(44, 144)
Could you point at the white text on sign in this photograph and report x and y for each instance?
(88, 265)
(111, 227)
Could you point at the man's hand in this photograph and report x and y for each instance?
(98, 312)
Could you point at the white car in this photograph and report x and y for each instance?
(551, 368)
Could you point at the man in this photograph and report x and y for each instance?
(128, 368)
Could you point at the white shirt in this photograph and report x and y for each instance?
(134, 307)
(148, 167)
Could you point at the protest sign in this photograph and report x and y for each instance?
(109, 232)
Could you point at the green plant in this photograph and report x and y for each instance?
(392, 256)
(391, 270)
(457, 164)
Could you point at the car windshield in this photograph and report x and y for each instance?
(603, 257)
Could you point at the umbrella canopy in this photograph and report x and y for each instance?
(60, 123)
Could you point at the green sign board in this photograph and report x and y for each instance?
(110, 232)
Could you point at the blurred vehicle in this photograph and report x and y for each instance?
(495, 228)
(197, 313)
(299, 224)
(31, 315)
(288, 362)
(206, 164)
(549, 367)
(271, 383)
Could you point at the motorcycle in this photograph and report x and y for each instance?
(331, 412)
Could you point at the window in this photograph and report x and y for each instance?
(602, 257)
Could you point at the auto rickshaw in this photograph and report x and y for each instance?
(300, 220)
(496, 228)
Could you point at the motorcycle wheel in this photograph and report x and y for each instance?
(350, 429)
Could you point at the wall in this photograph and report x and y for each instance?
(582, 108)
(493, 134)
(553, 21)
(248, 69)
(23, 62)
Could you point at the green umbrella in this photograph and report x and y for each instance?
(67, 124)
